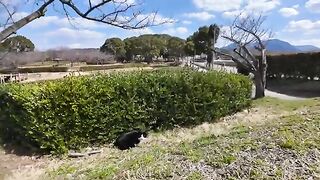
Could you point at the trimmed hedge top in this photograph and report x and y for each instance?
(78, 112)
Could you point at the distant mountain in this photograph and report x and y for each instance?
(308, 48)
(276, 46)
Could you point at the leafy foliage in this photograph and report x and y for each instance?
(294, 66)
(18, 43)
(202, 39)
(114, 46)
(189, 48)
(81, 111)
(147, 46)
(176, 47)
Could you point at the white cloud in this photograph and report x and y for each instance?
(79, 22)
(179, 31)
(202, 16)
(262, 5)
(311, 41)
(70, 37)
(236, 5)
(218, 5)
(182, 30)
(137, 32)
(155, 18)
(306, 26)
(288, 12)
(233, 14)
(44, 21)
(313, 5)
(252, 7)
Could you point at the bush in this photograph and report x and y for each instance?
(78, 112)
(111, 66)
(294, 66)
(43, 69)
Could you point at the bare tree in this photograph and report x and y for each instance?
(13, 59)
(89, 56)
(119, 13)
(245, 32)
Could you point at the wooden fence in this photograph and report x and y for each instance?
(5, 78)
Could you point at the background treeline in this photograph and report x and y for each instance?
(301, 66)
(145, 48)
(19, 50)
(87, 56)
(152, 47)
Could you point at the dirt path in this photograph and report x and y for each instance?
(282, 96)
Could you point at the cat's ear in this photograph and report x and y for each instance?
(145, 134)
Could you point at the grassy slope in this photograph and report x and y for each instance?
(274, 140)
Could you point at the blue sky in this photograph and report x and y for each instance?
(295, 21)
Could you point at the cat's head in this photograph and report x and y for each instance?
(143, 135)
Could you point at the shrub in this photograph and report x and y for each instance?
(111, 66)
(294, 65)
(43, 69)
(77, 112)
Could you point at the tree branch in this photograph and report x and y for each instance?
(10, 14)
(22, 22)
(113, 17)
(239, 63)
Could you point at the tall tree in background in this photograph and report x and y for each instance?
(245, 31)
(213, 33)
(18, 44)
(204, 40)
(118, 13)
(116, 47)
(176, 47)
(189, 48)
(146, 47)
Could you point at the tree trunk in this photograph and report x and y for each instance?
(263, 67)
(209, 59)
(258, 82)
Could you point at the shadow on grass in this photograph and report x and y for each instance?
(20, 148)
(297, 88)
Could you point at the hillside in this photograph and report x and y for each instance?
(308, 48)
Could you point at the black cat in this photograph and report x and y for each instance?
(129, 140)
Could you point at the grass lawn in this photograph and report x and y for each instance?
(274, 139)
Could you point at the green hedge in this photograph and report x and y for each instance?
(36, 69)
(294, 66)
(43, 69)
(112, 66)
(81, 111)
